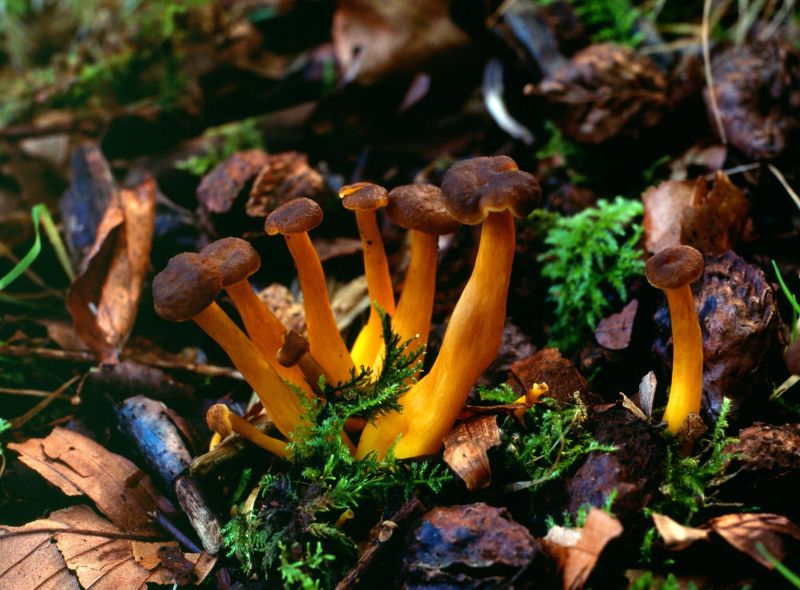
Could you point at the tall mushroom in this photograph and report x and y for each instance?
(238, 260)
(492, 191)
(294, 220)
(365, 199)
(185, 290)
(672, 270)
(418, 208)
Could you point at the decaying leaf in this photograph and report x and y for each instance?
(605, 90)
(81, 467)
(373, 39)
(286, 308)
(687, 212)
(284, 176)
(104, 297)
(646, 395)
(576, 551)
(548, 366)
(614, 332)
(677, 536)
(220, 187)
(746, 531)
(96, 552)
(465, 450)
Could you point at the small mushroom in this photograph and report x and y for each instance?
(237, 260)
(672, 270)
(295, 353)
(365, 199)
(185, 290)
(419, 209)
(223, 422)
(492, 191)
(294, 220)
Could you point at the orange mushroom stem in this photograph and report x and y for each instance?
(365, 199)
(491, 190)
(238, 260)
(672, 270)
(294, 219)
(223, 422)
(185, 290)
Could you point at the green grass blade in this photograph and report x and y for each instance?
(788, 574)
(51, 231)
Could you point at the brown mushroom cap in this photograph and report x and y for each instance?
(363, 196)
(674, 267)
(793, 358)
(189, 283)
(236, 258)
(471, 189)
(296, 216)
(218, 418)
(293, 349)
(420, 207)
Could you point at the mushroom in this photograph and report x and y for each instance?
(295, 353)
(365, 199)
(185, 290)
(223, 422)
(237, 260)
(419, 209)
(672, 270)
(294, 220)
(492, 191)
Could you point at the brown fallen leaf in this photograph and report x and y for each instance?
(284, 176)
(79, 466)
(614, 332)
(465, 450)
(219, 188)
(746, 531)
(99, 555)
(104, 298)
(576, 551)
(373, 39)
(687, 212)
(675, 535)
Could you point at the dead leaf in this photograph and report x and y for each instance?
(647, 393)
(105, 560)
(104, 297)
(686, 212)
(698, 159)
(577, 555)
(614, 332)
(631, 406)
(675, 535)
(465, 450)
(746, 531)
(220, 187)
(330, 248)
(691, 430)
(373, 39)
(79, 466)
(284, 176)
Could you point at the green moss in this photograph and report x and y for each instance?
(589, 258)
(222, 142)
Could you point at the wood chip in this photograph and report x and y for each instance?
(465, 450)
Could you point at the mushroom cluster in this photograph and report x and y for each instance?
(488, 191)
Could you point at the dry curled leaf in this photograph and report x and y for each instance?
(81, 467)
(576, 551)
(373, 39)
(284, 176)
(746, 532)
(605, 90)
(614, 332)
(465, 450)
(104, 298)
(687, 212)
(675, 535)
(220, 187)
(99, 555)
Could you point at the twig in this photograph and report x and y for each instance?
(84, 356)
(179, 535)
(28, 392)
(704, 35)
(92, 533)
(785, 184)
(20, 421)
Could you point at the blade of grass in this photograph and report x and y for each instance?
(791, 298)
(788, 574)
(40, 215)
